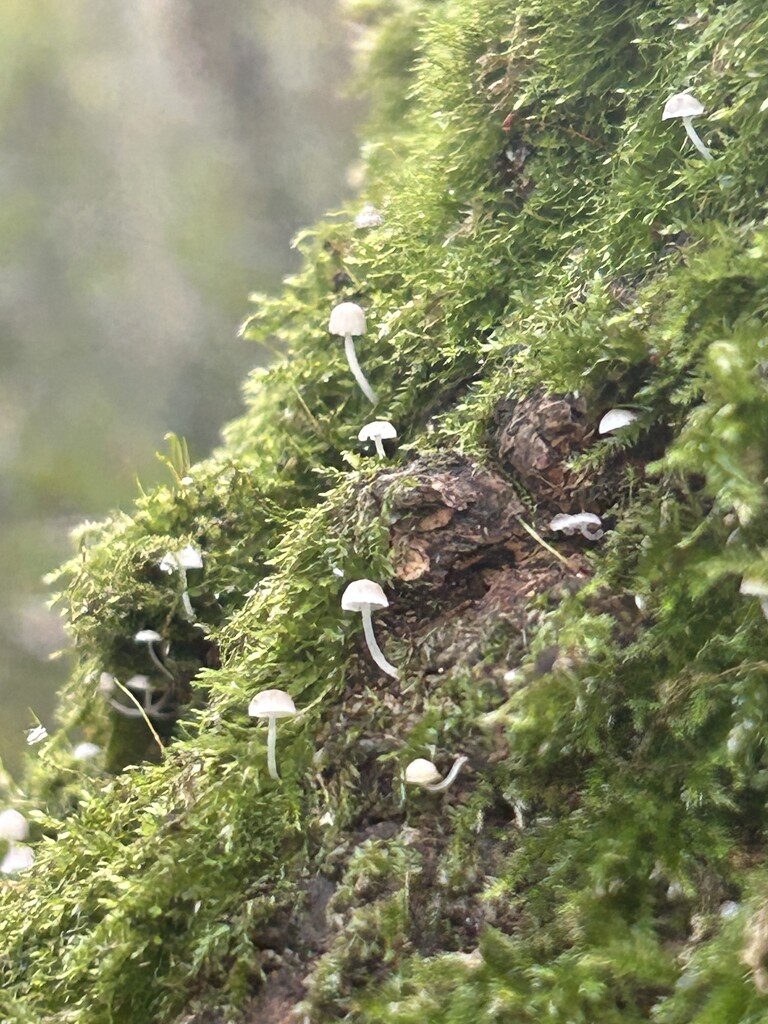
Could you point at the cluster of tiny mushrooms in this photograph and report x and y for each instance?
(347, 320)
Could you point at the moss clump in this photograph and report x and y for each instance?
(601, 857)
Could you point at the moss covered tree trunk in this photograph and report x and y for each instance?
(550, 250)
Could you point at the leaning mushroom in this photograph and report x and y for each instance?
(378, 431)
(616, 419)
(187, 558)
(585, 523)
(272, 704)
(685, 106)
(348, 320)
(361, 596)
(424, 773)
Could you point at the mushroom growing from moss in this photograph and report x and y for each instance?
(18, 858)
(378, 431)
(368, 217)
(272, 704)
(13, 826)
(361, 596)
(424, 773)
(150, 638)
(685, 106)
(187, 558)
(752, 587)
(348, 321)
(585, 523)
(616, 419)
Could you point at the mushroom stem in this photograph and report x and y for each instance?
(357, 373)
(160, 665)
(376, 652)
(694, 137)
(271, 745)
(457, 765)
(379, 447)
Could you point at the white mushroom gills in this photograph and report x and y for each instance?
(685, 106)
(348, 321)
(361, 596)
(378, 431)
(422, 772)
(616, 419)
(272, 704)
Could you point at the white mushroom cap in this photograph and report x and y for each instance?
(422, 773)
(753, 587)
(571, 523)
(362, 594)
(382, 429)
(347, 318)
(272, 704)
(369, 217)
(85, 751)
(615, 420)
(682, 104)
(140, 684)
(18, 858)
(189, 558)
(13, 826)
(147, 636)
(106, 683)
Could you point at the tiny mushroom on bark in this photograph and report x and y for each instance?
(272, 704)
(348, 320)
(361, 596)
(585, 523)
(685, 106)
(423, 773)
(378, 431)
(615, 420)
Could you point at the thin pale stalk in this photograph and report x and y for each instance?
(160, 665)
(365, 387)
(447, 781)
(694, 137)
(379, 447)
(271, 748)
(376, 652)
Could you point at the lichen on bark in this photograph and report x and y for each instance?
(549, 250)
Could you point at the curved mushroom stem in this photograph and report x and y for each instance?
(376, 652)
(457, 765)
(271, 745)
(365, 387)
(158, 662)
(380, 447)
(694, 137)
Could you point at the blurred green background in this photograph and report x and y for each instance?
(155, 159)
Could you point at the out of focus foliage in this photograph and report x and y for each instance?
(157, 159)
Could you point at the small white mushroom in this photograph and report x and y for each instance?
(685, 106)
(18, 858)
(36, 735)
(85, 751)
(347, 321)
(150, 638)
(368, 217)
(13, 826)
(424, 773)
(272, 704)
(378, 431)
(180, 561)
(615, 420)
(585, 523)
(361, 596)
(752, 587)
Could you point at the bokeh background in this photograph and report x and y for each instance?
(155, 159)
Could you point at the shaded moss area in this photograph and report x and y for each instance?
(550, 250)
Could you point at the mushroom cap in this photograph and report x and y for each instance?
(18, 858)
(368, 217)
(189, 558)
(566, 522)
(147, 636)
(13, 826)
(682, 104)
(382, 429)
(85, 751)
(753, 587)
(272, 704)
(140, 684)
(347, 318)
(422, 773)
(616, 419)
(362, 594)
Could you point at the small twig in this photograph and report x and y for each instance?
(144, 714)
(540, 540)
